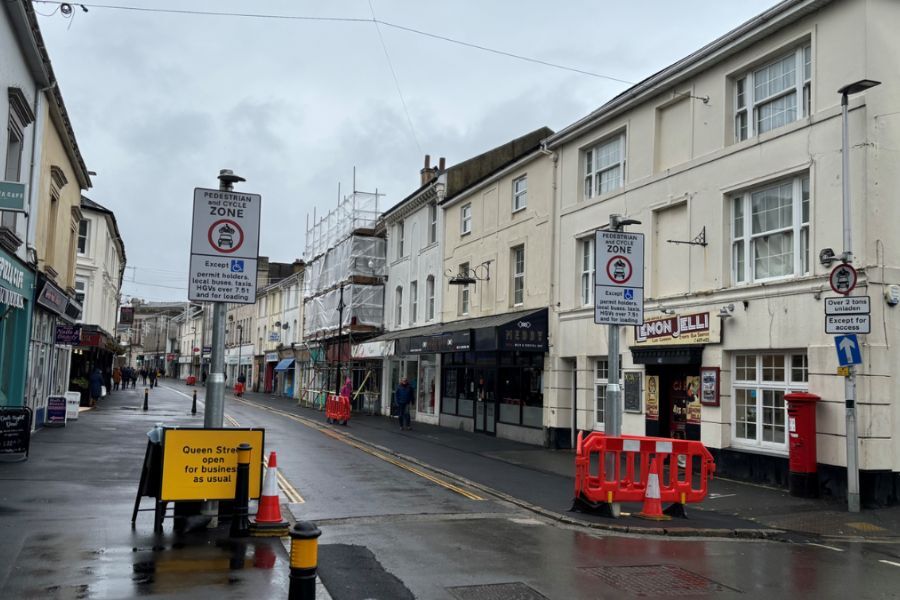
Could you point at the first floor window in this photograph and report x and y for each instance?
(586, 261)
(465, 219)
(520, 193)
(429, 298)
(518, 275)
(604, 166)
(398, 306)
(464, 291)
(413, 302)
(81, 290)
(760, 383)
(770, 231)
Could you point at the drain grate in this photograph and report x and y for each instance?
(497, 591)
(656, 580)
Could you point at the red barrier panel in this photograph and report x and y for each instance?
(615, 469)
(337, 409)
(239, 389)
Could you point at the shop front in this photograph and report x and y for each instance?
(50, 350)
(16, 305)
(95, 350)
(418, 359)
(671, 350)
(239, 361)
(269, 376)
(492, 375)
(286, 373)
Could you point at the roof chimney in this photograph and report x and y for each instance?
(426, 174)
(441, 164)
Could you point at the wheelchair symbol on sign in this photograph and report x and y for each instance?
(629, 294)
(237, 266)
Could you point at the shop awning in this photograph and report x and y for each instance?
(284, 364)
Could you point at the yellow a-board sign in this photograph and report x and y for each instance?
(201, 464)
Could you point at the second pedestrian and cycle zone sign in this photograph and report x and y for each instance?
(619, 285)
(224, 246)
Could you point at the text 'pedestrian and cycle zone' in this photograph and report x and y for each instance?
(224, 246)
(619, 268)
(201, 464)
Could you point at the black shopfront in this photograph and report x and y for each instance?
(492, 372)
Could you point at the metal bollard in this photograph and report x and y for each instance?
(194, 404)
(240, 520)
(304, 561)
(146, 397)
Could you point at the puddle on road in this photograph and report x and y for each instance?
(192, 566)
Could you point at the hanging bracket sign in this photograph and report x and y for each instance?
(224, 246)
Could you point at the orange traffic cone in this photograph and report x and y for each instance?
(652, 502)
(268, 520)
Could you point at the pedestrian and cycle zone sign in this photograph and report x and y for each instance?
(619, 286)
(224, 246)
(201, 464)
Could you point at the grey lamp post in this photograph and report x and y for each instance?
(847, 256)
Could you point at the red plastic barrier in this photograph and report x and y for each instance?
(621, 467)
(190, 380)
(239, 389)
(337, 409)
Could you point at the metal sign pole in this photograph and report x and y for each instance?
(849, 382)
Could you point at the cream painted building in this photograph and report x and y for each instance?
(497, 254)
(731, 161)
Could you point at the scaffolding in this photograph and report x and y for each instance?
(355, 212)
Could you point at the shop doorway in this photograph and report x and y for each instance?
(408, 368)
(673, 401)
(486, 401)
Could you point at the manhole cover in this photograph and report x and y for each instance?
(497, 591)
(657, 580)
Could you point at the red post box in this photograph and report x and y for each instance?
(801, 410)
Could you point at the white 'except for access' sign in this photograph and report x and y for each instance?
(843, 324)
(848, 305)
(619, 269)
(224, 246)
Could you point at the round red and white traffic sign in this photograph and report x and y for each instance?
(619, 269)
(225, 236)
(843, 279)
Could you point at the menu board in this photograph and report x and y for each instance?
(632, 391)
(15, 430)
(56, 410)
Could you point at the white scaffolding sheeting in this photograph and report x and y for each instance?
(363, 306)
(355, 256)
(359, 210)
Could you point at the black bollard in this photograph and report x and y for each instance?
(304, 561)
(194, 404)
(146, 396)
(240, 520)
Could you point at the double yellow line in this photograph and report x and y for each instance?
(289, 490)
(380, 455)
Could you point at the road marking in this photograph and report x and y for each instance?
(824, 546)
(890, 562)
(289, 490)
(341, 438)
(714, 496)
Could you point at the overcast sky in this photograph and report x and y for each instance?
(161, 102)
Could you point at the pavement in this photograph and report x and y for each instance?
(65, 519)
(542, 480)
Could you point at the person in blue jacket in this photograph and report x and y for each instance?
(403, 396)
(95, 384)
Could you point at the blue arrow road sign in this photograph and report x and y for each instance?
(847, 350)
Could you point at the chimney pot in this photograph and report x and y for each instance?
(442, 163)
(427, 161)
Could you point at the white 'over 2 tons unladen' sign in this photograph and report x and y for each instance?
(224, 246)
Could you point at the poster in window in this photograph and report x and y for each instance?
(692, 389)
(709, 386)
(632, 391)
(651, 396)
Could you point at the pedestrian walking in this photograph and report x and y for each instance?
(117, 378)
(403, 396)
(143, 376)
(347, 390)
(95, 385)
(152, 377)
